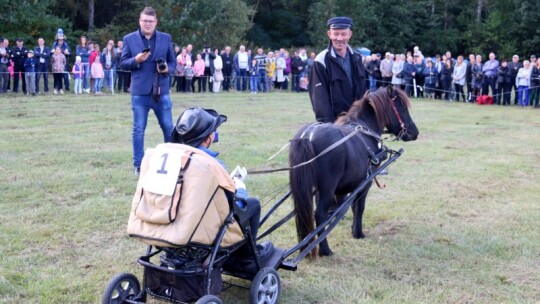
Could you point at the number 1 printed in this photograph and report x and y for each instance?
(162, 170)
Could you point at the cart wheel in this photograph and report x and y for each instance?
(121, 287)
(265, 287)
(209, 299)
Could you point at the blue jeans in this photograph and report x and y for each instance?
(41, 70)
(141, 105)
(372, 83)
(523, 95)
(86, 75)
(262, 80)
(254, 83)
(97, 84)
(109, 79)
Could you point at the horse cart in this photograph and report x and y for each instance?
(193, 272)
(196, 236)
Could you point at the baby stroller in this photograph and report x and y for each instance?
(194, 234)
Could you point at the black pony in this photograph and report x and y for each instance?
(342, 154)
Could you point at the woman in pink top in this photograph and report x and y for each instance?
(198, 70)
(97, 74)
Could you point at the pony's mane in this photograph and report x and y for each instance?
(379, 100)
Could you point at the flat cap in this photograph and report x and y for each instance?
(339, 23)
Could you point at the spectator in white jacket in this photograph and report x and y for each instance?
(397, 69)
(523, 82)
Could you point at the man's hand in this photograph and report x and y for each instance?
(142, 57)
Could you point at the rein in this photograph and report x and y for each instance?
(357, 129)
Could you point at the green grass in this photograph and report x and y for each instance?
(457, 222)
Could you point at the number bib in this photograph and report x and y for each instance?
(163, 170)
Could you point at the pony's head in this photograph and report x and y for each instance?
(392, 110)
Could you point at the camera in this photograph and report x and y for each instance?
(162, 66)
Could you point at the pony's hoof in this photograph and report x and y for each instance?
(360, 235)
(326, 253)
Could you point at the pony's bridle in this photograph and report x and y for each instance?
(402, 125)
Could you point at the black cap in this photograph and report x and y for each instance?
(195, 125)
(19, 39)
(533, 56)
(339, 23)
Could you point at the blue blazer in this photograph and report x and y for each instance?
(143, 74)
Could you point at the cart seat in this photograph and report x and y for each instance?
(182, 199)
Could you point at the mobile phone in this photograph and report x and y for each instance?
(146, 50)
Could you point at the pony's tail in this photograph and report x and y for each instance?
(302, 182)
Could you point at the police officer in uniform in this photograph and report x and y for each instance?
(338, 77)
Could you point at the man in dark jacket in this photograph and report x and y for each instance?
(227, 68)
(409, 72)
(208, 56)
(297, 67)
(514, 67)
(42, 55)
(338, 77)
(374, 73)
(19, 55)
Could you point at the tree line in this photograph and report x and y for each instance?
(461, 26)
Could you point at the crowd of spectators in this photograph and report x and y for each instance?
(446, 77)
(215, 70)
(90, 68)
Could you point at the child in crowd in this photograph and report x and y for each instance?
(97, 74)
(198, 69)
(179, 72)
(30, 73)
(253, 76)
(78, 75)
(188, 73)
(58, 66)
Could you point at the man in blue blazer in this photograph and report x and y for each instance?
(149, 55)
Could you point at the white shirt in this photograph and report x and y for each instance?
(243, 60)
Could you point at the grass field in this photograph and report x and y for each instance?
(457, 222)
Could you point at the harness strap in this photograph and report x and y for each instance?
(402, 125)
(277, 225)
(358, 129)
